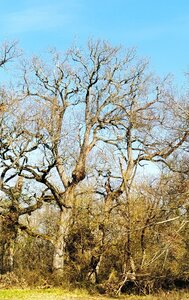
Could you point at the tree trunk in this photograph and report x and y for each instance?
(9, 233)
(8, 256)
(60, 242)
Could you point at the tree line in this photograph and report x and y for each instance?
(94, 170)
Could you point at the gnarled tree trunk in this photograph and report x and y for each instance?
(9, 233)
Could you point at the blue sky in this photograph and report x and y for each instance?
(159, 29)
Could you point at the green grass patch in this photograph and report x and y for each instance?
(60, 294)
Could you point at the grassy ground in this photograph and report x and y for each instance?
(58, 294)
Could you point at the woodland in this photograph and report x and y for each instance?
(94, 173)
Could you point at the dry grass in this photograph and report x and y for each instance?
(59, 294)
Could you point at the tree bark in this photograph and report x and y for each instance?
(60, 242)
(9, 233)
(8, 256)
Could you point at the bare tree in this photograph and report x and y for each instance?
(149, 132)
(14, 203)
(101, 99)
